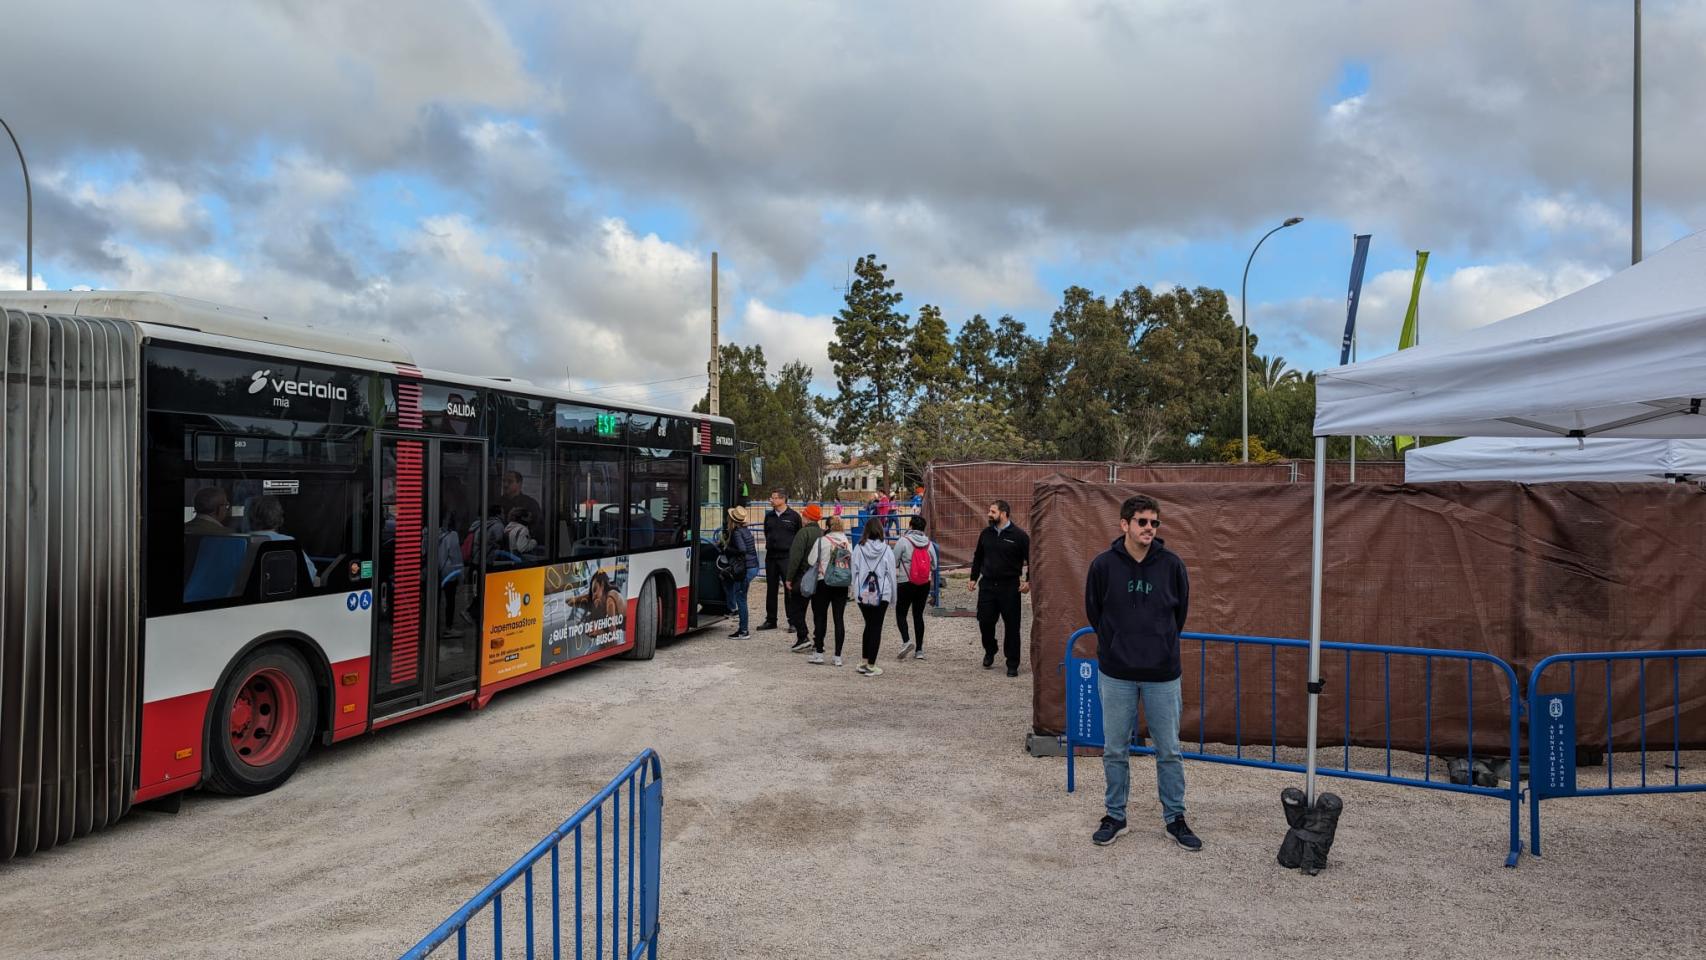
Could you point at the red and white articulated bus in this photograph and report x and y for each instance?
(222, 538)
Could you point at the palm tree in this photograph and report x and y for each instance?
(1272, 371)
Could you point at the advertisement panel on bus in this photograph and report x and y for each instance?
(544, 616)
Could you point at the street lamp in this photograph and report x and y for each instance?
(1244, 329)
(29, 212)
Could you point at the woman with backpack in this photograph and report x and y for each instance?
(873, 588)
(739, 565)
(833, 556)
(915, 565)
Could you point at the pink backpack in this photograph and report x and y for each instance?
(918, 568)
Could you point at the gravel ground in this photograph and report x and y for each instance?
(811, 811)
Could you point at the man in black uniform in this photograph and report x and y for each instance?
(1001, 560)
(780, 525)
(512, 497)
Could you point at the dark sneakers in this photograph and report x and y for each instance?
(1012, 671)
(988, 660)
(767, 625)
(1109, 831)
(1181, 832)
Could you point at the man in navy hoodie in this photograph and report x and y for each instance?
(1136, 598)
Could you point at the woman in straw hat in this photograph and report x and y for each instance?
(742, 553)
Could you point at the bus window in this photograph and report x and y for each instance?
(245, 514)
(658, 499)
(716, 495)
(518, 480)
(222, 541)
(589, 501)
(517, 499)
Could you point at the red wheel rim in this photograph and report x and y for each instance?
(263, 717)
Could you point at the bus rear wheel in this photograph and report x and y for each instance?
(648, 612)
(261, 723)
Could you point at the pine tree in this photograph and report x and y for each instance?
(870, 378)
(930, 358)
(974, 357)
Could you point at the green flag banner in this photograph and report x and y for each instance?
(1407, 337)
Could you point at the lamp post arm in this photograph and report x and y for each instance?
(29, 212)
(1244, 340)
(1252, 258)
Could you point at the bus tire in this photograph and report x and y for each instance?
(645, 623)
(261, 723)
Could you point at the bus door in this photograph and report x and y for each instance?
(429, 568)
(714, 491)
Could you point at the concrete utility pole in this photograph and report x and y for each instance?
(29, 213)
(716, 356)
(1635, 201)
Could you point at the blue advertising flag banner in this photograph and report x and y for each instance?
(1359, 260)
(1552, 748)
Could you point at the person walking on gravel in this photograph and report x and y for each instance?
(916, 564)
(795, 568)
(742, 553)
(873, 589)
(1135, 598)
(781, 523)
(1001, 561)
(833, 556)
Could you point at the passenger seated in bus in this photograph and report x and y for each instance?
(212, 509)
(266, 515)
(518, 533)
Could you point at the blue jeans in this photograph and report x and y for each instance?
(1161, 705)
(735, 590)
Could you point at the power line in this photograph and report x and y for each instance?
(643, 383)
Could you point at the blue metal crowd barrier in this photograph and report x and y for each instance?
(632, 933)
(1084, 715)
(1552, 733)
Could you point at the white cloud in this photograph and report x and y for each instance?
(205, 78)
(1567, 213)
(788, 337)
(150, 207)
(454, 247)
(1309, 330)
(969, 149)
(12, 277)
(607, 308)
(203, 276)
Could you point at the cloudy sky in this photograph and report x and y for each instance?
(534, 189)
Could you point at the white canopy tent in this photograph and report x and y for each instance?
(1619, 359)
(1625, 357)
(1556, 459)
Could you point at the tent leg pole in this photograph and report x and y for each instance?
(1315, 566)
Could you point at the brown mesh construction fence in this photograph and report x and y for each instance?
(957, 495)
(1339, 471)
(1517, 571)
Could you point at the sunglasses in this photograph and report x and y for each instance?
(1141, 522)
